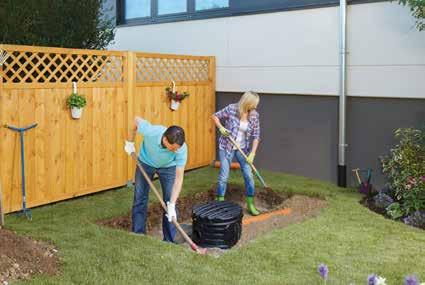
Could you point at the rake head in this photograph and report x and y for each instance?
(3, 56)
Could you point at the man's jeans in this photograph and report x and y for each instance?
(141, 198)
(223, 176)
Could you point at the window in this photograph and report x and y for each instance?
(141, 12)
(171, 6)
(211, 4)
(137, 9)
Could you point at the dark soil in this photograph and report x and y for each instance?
(266, 200)
(370, 204)
(21, 257)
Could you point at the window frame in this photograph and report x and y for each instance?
(236, 8)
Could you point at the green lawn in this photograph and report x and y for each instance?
(350, 239)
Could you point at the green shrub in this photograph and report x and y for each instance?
(59, 23)
(405, 169)
(417, 8)
(75, 100)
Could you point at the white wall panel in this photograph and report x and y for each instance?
(297, 52)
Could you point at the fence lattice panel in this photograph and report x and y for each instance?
(42, 66)
(154, 69)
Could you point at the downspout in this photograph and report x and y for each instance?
(342, 167)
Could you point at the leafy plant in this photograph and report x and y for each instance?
(382, 201)
(394, 211)
(176, 96)
(417, 8)
(417, 219)
(405, 169)
(76, 101)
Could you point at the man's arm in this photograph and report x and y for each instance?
(133, 129)
(178, 183)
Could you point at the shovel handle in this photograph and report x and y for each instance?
(175, 223)
(356, 171)
(250, 164)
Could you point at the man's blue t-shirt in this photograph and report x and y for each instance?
(153, 153)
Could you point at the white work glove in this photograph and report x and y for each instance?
(171, 211)
(129, 147)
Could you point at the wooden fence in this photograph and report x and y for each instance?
(65, 158)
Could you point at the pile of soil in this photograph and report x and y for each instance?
(299, 208)
(21, 257)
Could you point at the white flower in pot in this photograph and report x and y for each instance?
(76, 102)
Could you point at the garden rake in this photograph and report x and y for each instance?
(365, 187)
(193, 246)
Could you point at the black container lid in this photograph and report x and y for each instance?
(217, 211)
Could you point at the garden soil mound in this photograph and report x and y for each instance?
(21, 257)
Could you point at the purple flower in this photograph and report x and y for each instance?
(372, 279)
(411, 280)
(323, 271)
(423, 178)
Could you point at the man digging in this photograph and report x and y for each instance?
(164, 152)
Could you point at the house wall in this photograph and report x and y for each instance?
(299, 134)
(296, 52)
(284, 55)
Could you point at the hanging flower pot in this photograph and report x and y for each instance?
(76, 102)
(76, 112)
(175, 105)
(175, 97)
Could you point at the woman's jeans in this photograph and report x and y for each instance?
(225, 162)
(141, 198)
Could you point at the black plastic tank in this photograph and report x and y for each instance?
(217, 224)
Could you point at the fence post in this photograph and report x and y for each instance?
(130, 89)
(212, 80)
(2, 210)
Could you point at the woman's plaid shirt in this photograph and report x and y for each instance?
(229, 117)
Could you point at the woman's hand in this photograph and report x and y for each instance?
(250, 158)
(224, 132)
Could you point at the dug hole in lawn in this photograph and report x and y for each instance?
(277, 211)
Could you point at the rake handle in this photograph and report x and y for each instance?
(175, 223)
(246, 159)
(357, 174)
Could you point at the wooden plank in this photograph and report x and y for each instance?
(171, 56)
(130, 88)
(108, 153)
(167, 83)
(89, 142)
(40, 151)
(24, 48)
(1, 208)
(26, 118)
(42, 85)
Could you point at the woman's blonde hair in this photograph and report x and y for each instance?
(248, 101)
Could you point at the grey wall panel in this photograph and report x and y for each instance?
(300, 133)
(371, 123)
